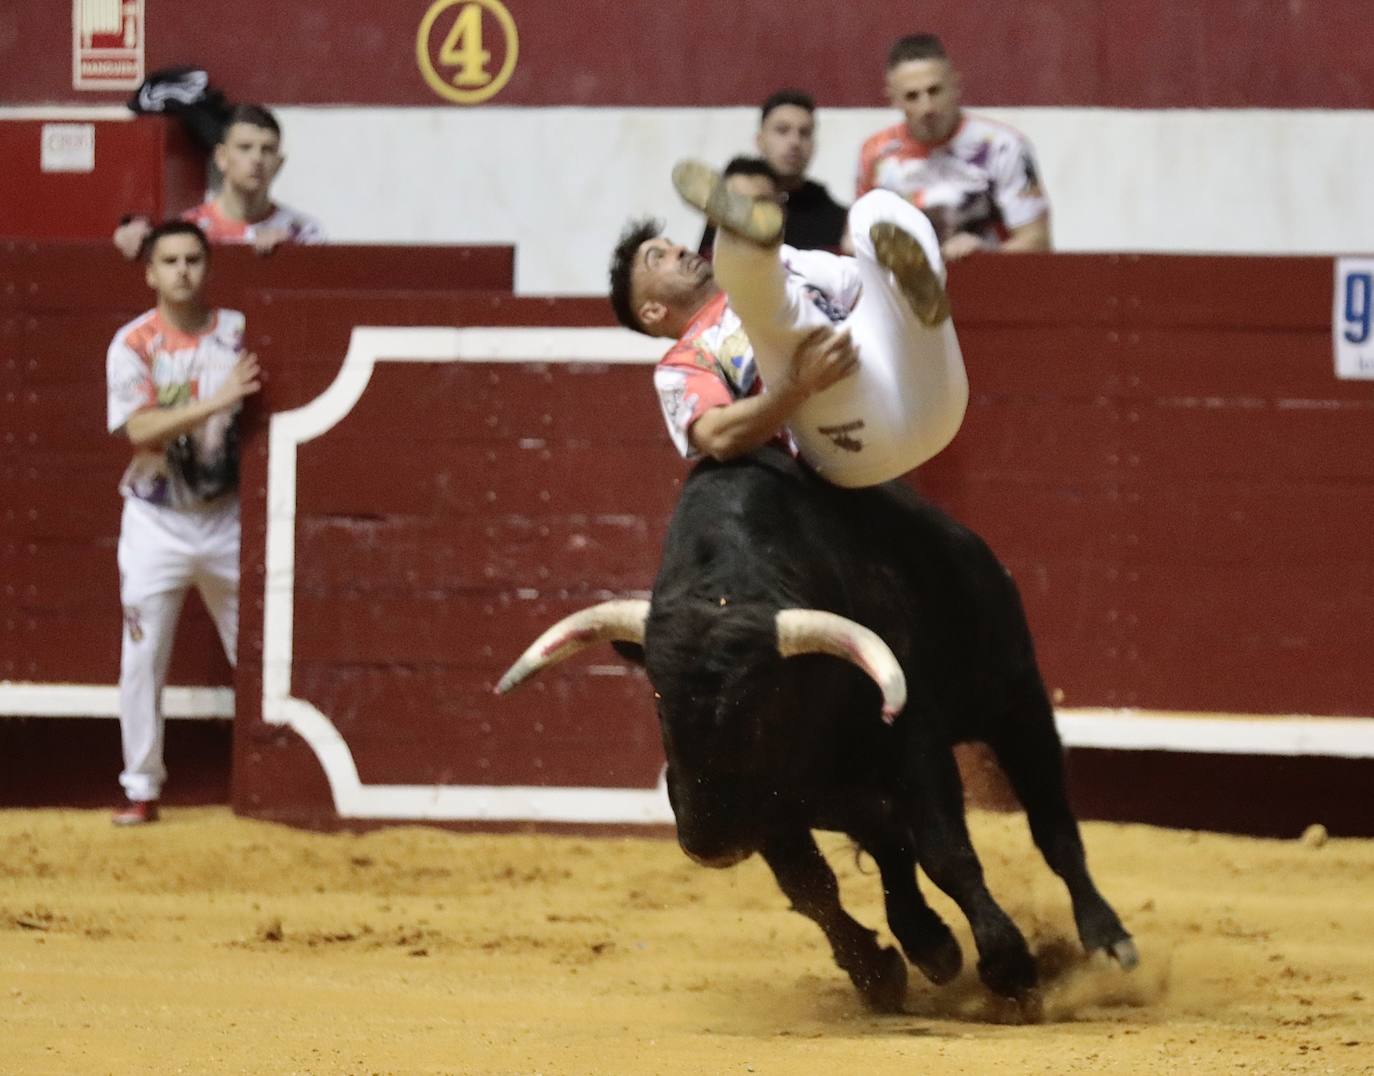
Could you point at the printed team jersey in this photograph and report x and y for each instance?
(712, 364)
(982, 179)
(153, 364)
(220, 229)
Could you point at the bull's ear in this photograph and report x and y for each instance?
(629, 651)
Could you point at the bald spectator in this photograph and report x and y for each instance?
(974, 178)
(786, 141)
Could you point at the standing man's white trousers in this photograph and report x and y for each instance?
(163, 553)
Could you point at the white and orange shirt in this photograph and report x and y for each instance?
(153, 364)
(982, 179)
(712, 364)
(220, 229)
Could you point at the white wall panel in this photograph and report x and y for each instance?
(559, 182)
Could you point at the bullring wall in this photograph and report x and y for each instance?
(1157, 447)
(60, 303)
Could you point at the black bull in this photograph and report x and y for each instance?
(762, 748)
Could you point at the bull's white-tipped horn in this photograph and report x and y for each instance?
(813, 631)
(621, 621)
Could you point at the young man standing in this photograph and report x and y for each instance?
(855, 357)
(248, 158)
(786, 141)
(176, 377)
(975, 179)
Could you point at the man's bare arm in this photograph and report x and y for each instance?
(157, 425)
(1024, 240)
(821, 359)
(1029, 237)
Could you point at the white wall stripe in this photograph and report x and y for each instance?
(64, 113)
(28, 699)
(1107, 729)
(1351, 737)
(1143, 730)
(1169, 180)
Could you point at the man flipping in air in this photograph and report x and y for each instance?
(858, 354)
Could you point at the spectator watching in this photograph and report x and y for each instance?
(248, 158)
(974, 178)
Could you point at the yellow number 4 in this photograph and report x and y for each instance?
(463, 48)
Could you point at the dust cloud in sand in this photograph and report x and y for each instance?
(211, 943)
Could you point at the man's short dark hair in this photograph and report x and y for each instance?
(174, 227)
(787, 97)
(254, 116)
(750, 166)
(916, 47)
(637, 232)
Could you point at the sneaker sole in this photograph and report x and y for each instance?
(702, 187)
(900, 252)
(135, 819)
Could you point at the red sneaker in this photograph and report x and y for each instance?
(136, 813)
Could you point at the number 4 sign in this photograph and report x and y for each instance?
(454, 50)
(1352, 325)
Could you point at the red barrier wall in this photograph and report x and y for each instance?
(150, 168)
(1161, 452)
(60, 303)
(1156, 447)
(1114, 53)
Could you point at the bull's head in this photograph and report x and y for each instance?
(715, 696)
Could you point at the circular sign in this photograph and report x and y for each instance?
(463, 71)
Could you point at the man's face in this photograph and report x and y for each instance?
(249, 157)
(177, 268)
(753, 186)
(927, 92)
(787, 139)
(668, 278)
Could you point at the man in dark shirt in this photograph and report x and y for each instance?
(787, 141)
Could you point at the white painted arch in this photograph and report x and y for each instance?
(1123, 729)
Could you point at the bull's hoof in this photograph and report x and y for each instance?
(1100, 929)
(940, 959)
(1010, 972)
(883, 986)
(1124, 953)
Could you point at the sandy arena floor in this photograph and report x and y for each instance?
(212, 944)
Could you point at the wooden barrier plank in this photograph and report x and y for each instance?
(483, 627)
(423, 725)
(424, 554)
(422, 477)
(41, 275)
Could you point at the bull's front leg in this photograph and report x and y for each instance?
(946, 855)
(806, 880)
(924, 937)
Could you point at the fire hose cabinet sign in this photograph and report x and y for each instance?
(107, 44)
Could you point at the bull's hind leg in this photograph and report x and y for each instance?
(946, 855)
(1028, 749)
(808, 882)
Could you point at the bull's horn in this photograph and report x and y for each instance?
(620, 621)
(812, 631)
